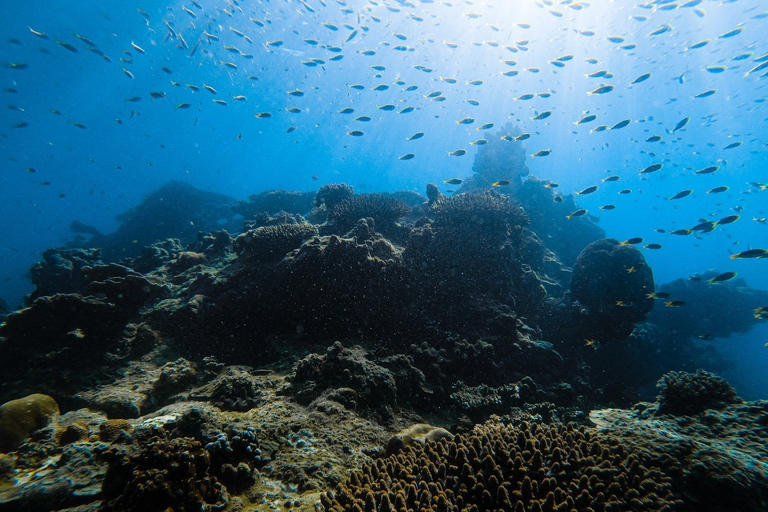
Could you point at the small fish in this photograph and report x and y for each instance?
(219, 102)
(486, 126)
(653, 138)
(138, 48)
(156, 95)
(67, 46)
(453, 181)
(680, 125)
(625, 191)
(127, 73)
(500, 183)
(182, 106)
(658, 295)
(621, 124)
(652, 247)
(133, 99)
(608, 207)
(705, 94)
(681, 232)
(346, 110)
(587, 190)
(730, 219)
(355, 133)
(525, 97)
(291, 129)
(541, 116)
(731, 33)
(41, 35)
(651, 168)
(387, 107)
(757, 68)
(416, 136)
(721, 278)
(632, 241)
(586, 119)
(363, 119)
(681, 194)
(674, 303)
(239, 98)
(612, 178)
(479, 142)
(717, 190)
(406, 110)
(409, 156)
(466, 120)
(733, 145)
(641, 78)
(601, 90)
(210, 89)
(543, 152)
(263, 115)
(381, 87)
(522, 137)
(715, 69)
(577, 213)
(749, 254)
(708, 170)
(600, 128)
(79, 125)
(458, 152)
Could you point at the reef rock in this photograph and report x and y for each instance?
(611, 281)
(20, 417)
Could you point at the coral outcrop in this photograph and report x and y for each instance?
(20, 417)
(682, 393)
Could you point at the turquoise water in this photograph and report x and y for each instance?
(104, 103)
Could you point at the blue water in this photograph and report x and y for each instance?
(130, 148)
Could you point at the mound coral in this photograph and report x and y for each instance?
(683, 393)
(19, 418)
(271, 243)
(611, 281)
(332, 194)
(533, 468)
(382, 208)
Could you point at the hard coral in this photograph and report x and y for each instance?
(488, 213)
(271, 243)
(383, 209)
(332, 194)
(496, 467)
(19, 418)
(164, 475)
(683, 393)
(611, 280)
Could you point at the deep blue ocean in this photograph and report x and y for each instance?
(104, 102)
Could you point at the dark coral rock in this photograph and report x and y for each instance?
(156, 255)
(490, 213)
(497, 467)
(340, 367)
(174, 376)
(565, 237)
(682, 393)
(332, 194)
(273, 201)
(61, 271)
(433, 193)
(234, 389)
(122, 286)
(385, 210)
(271, 243)
(611, 281)
(65, 327)
(164, 474)
(334, 285)
(175, 210)
(273, 219)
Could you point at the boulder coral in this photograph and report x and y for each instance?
(611, 282)
(20, 417)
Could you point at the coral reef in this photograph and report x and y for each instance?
(271, 243)
(385, 211)
(20, 417)
(533, 467)
(165, 473)
(611, 281)
(682, 393)
(717, 459)
(61, 271)
(332, 194)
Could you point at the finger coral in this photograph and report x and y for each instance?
(533, 468)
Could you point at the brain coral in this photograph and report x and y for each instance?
(534, 468)
(19, 418)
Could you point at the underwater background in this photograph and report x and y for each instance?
(106, 103)
(371, 255)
